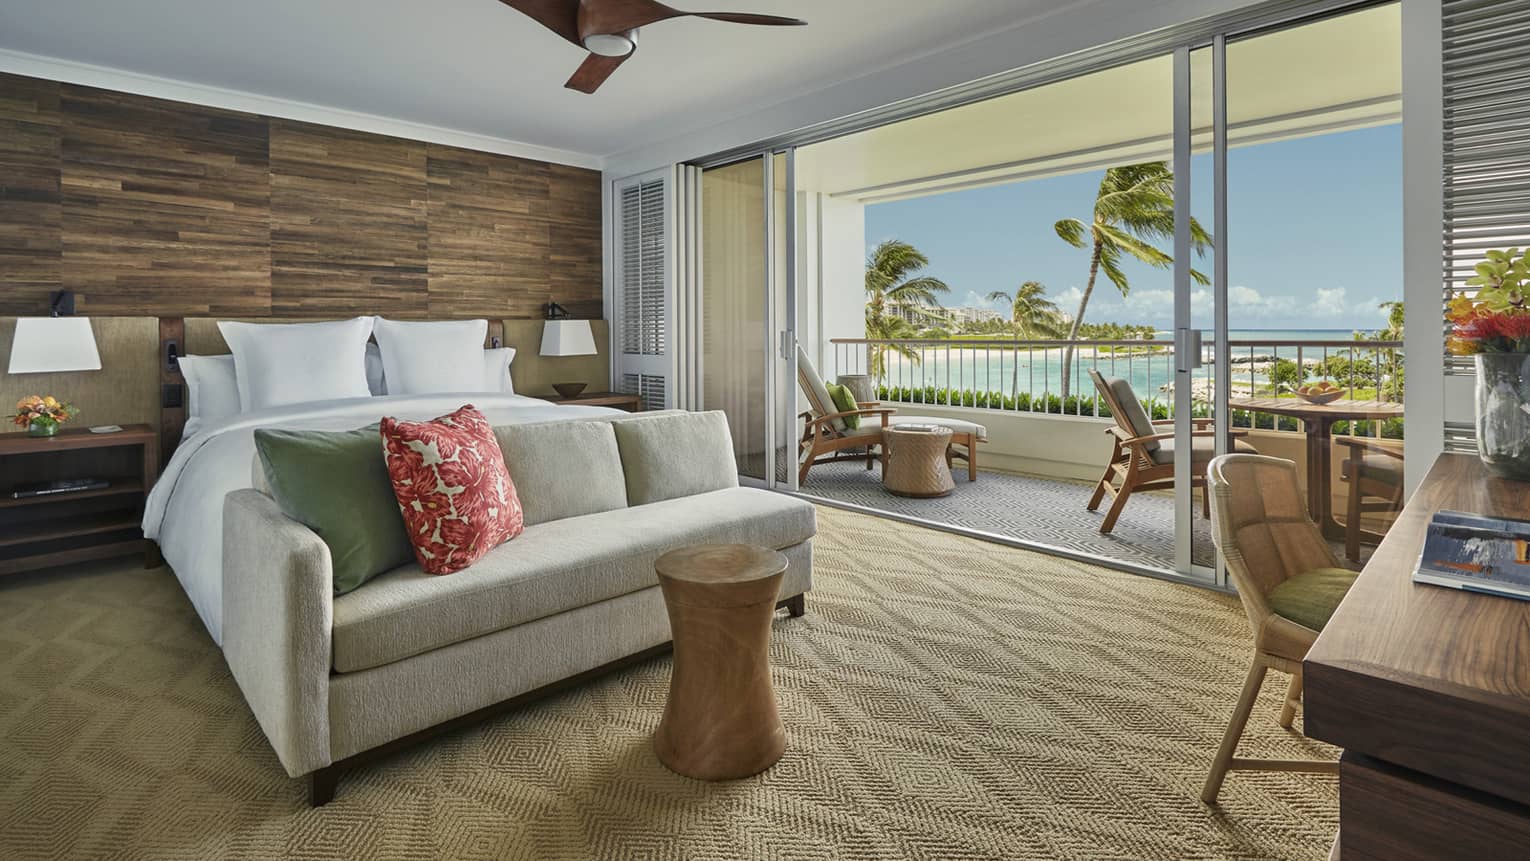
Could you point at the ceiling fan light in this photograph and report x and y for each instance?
(609, 45)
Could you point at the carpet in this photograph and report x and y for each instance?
(944, 698)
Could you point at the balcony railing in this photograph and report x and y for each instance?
(1026, 376)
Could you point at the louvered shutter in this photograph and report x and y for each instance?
(643, 328)
(1487, 148)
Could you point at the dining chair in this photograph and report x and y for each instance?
(1289, 581)
(1374, 471)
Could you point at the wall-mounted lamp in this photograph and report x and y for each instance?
(57, 343)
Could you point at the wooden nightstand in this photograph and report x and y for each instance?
(630, 403)
(60, 528)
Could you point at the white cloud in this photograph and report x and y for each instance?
(1330, 302)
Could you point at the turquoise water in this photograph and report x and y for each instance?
(1035, 371)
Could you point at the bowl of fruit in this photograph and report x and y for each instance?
(1323, 392)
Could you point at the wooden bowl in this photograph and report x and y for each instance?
(1322, 398)
(569, 390)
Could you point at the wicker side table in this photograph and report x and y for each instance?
(916, 460)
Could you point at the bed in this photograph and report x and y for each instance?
(184, 512)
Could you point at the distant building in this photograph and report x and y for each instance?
(926, 316)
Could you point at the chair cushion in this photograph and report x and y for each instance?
(675, 454)
(956, 425)
(552, 567)
(844, 401)
(813, 386)
(564, 469)
(1379, 467)
(1309, 599)
(1131, 410)
(1202, 450)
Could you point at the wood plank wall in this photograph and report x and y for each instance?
(146, 207)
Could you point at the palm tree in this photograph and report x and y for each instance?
(1031, 315)
(1395, 315)
(892, 278)
(1134, 207)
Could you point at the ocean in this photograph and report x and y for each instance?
(1038, 371)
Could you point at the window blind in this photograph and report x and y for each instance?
(642, 277)
(1486, 79)
(1487, 139)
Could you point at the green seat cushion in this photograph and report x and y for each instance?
(1310, 599)
(844, 401)
(336, 483)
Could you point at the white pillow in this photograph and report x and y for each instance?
(431, 358)
(497, 370)
(290, 363)
(212, 390)
(376, 382)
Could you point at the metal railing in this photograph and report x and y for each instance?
(1026, 376)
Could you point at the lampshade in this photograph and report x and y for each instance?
(49, 344)
(567, 338)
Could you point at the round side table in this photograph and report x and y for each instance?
(916, 460)
(720, 722)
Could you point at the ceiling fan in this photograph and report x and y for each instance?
(608, 29)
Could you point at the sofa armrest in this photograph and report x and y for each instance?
(277, 616)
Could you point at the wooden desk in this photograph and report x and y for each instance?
(1317, 421)
(1428, 691)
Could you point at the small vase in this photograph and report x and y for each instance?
(1503, 413)
(42, 429)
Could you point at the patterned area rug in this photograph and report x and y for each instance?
(1043, 510)
(944, 698)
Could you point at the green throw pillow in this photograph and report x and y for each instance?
(844, 402)
(336, 483)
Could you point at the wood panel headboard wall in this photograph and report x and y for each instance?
(152, 208)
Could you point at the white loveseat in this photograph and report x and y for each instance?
(333, 680)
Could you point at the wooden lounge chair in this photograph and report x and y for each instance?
(826, 437)
(1142, 457)
(1289, 583)
(1374, 470)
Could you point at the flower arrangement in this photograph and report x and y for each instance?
(1496, 320)
(42, 415)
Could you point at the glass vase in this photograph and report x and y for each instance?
(38, 428)
(1503, 413)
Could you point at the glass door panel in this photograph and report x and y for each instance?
(735, 299)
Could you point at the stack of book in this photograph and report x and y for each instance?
(1476, 553)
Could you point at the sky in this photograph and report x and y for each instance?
(1314, 237)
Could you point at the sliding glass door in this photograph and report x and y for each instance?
(747, 312)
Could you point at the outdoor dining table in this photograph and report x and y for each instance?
(1317, 420)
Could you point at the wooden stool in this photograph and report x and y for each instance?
(916, 462)
(721, 721)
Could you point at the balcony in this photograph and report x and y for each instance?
(1046, 450)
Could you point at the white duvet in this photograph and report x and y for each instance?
(184, 512)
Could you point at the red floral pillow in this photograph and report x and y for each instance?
(453, 488)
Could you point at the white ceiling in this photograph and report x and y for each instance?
(480, 67)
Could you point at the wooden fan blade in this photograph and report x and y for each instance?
(593, 72)
(750, 18)
(559, 16)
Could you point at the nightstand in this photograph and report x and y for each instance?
(75, 526)
(630, 403)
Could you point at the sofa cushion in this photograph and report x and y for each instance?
(675, 455)
(552, 567)
(563, 469)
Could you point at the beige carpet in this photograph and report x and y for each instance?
(944, 699)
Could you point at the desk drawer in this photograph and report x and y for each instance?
(1388, 813)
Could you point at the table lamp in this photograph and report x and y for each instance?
(564, 337)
